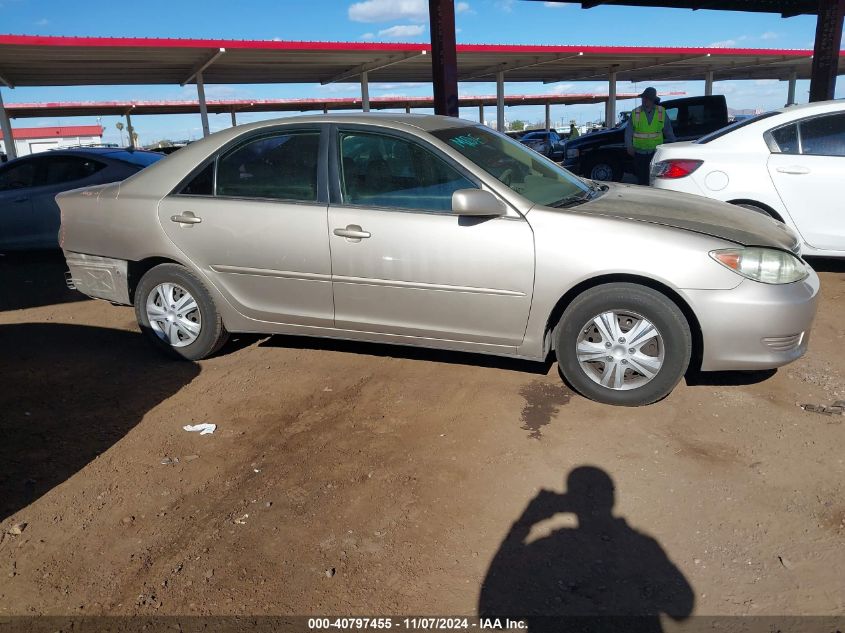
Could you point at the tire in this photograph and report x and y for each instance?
(192, 342)
(665, 356)
(605, 168)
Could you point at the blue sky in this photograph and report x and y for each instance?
(478, 21)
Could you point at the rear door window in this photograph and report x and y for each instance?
(281, 166)
(57, 170)
(823, 135)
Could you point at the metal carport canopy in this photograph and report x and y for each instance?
(225, 106)
(27, 60)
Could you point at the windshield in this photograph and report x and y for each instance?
(522, 169)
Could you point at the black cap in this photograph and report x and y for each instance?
(650, 93)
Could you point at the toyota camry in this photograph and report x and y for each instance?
(437, 232)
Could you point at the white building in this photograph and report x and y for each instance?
(31, 140)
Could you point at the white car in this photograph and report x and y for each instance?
(789, 164)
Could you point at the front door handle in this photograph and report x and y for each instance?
(185, 218)
(352, 232)
(795, 170)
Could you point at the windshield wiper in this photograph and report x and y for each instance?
(575, 199)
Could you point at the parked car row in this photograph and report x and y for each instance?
(602, 156)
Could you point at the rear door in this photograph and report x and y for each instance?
(254, 220)
(807, 165)
(404, 264)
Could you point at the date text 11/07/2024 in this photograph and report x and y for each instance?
(418, 623)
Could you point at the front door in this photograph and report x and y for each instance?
(807, 172)
(404, 264)
(258, 230)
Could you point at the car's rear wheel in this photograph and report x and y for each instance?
(176, 313)
(623, 344)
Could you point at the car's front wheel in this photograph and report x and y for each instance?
(623, 344)
(176, 313)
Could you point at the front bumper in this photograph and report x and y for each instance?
(755, 325)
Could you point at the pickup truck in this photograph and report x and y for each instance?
(601, 155)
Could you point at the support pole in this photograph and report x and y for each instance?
(8, 137)
(130, 131)
(708, 83)
(548, 116)
(826, 49)
(203, 108)
(610, 107)
(365, 91)
(790, 94)
(481, 114)
(234, 119)
(500, 101)
(444, 58)
(407, 108)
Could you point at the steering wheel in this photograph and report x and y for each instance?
(506, 176)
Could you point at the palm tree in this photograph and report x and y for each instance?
(119, 126)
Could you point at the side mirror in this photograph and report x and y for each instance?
(477, 202)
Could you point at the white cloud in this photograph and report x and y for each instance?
(42, 22)
(769, 35)
(557, 5)
(387, 10)
(374, 11)
(402, 30)
(505, 5)
(368, 36)
(723, 44)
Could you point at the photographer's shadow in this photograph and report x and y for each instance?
(599, 576)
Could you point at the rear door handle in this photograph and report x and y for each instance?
(353, 233)
(186, 218)
(795, 170)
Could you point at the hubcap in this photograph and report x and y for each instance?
(620, 350)
(174, 315)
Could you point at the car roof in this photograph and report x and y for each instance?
(86, 151)
(179, 164)
(818, 107)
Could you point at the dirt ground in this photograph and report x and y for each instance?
(364, 479)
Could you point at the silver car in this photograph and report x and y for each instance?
(438, 232)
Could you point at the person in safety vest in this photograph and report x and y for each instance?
(647, 128)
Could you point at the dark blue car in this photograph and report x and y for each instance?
(29, 216)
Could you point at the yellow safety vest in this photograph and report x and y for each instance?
(647, 136)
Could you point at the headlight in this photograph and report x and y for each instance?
(767, 265)
(572, 153)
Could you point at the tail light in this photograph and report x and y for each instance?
(675, 168)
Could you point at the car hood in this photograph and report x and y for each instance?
(692, 213)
